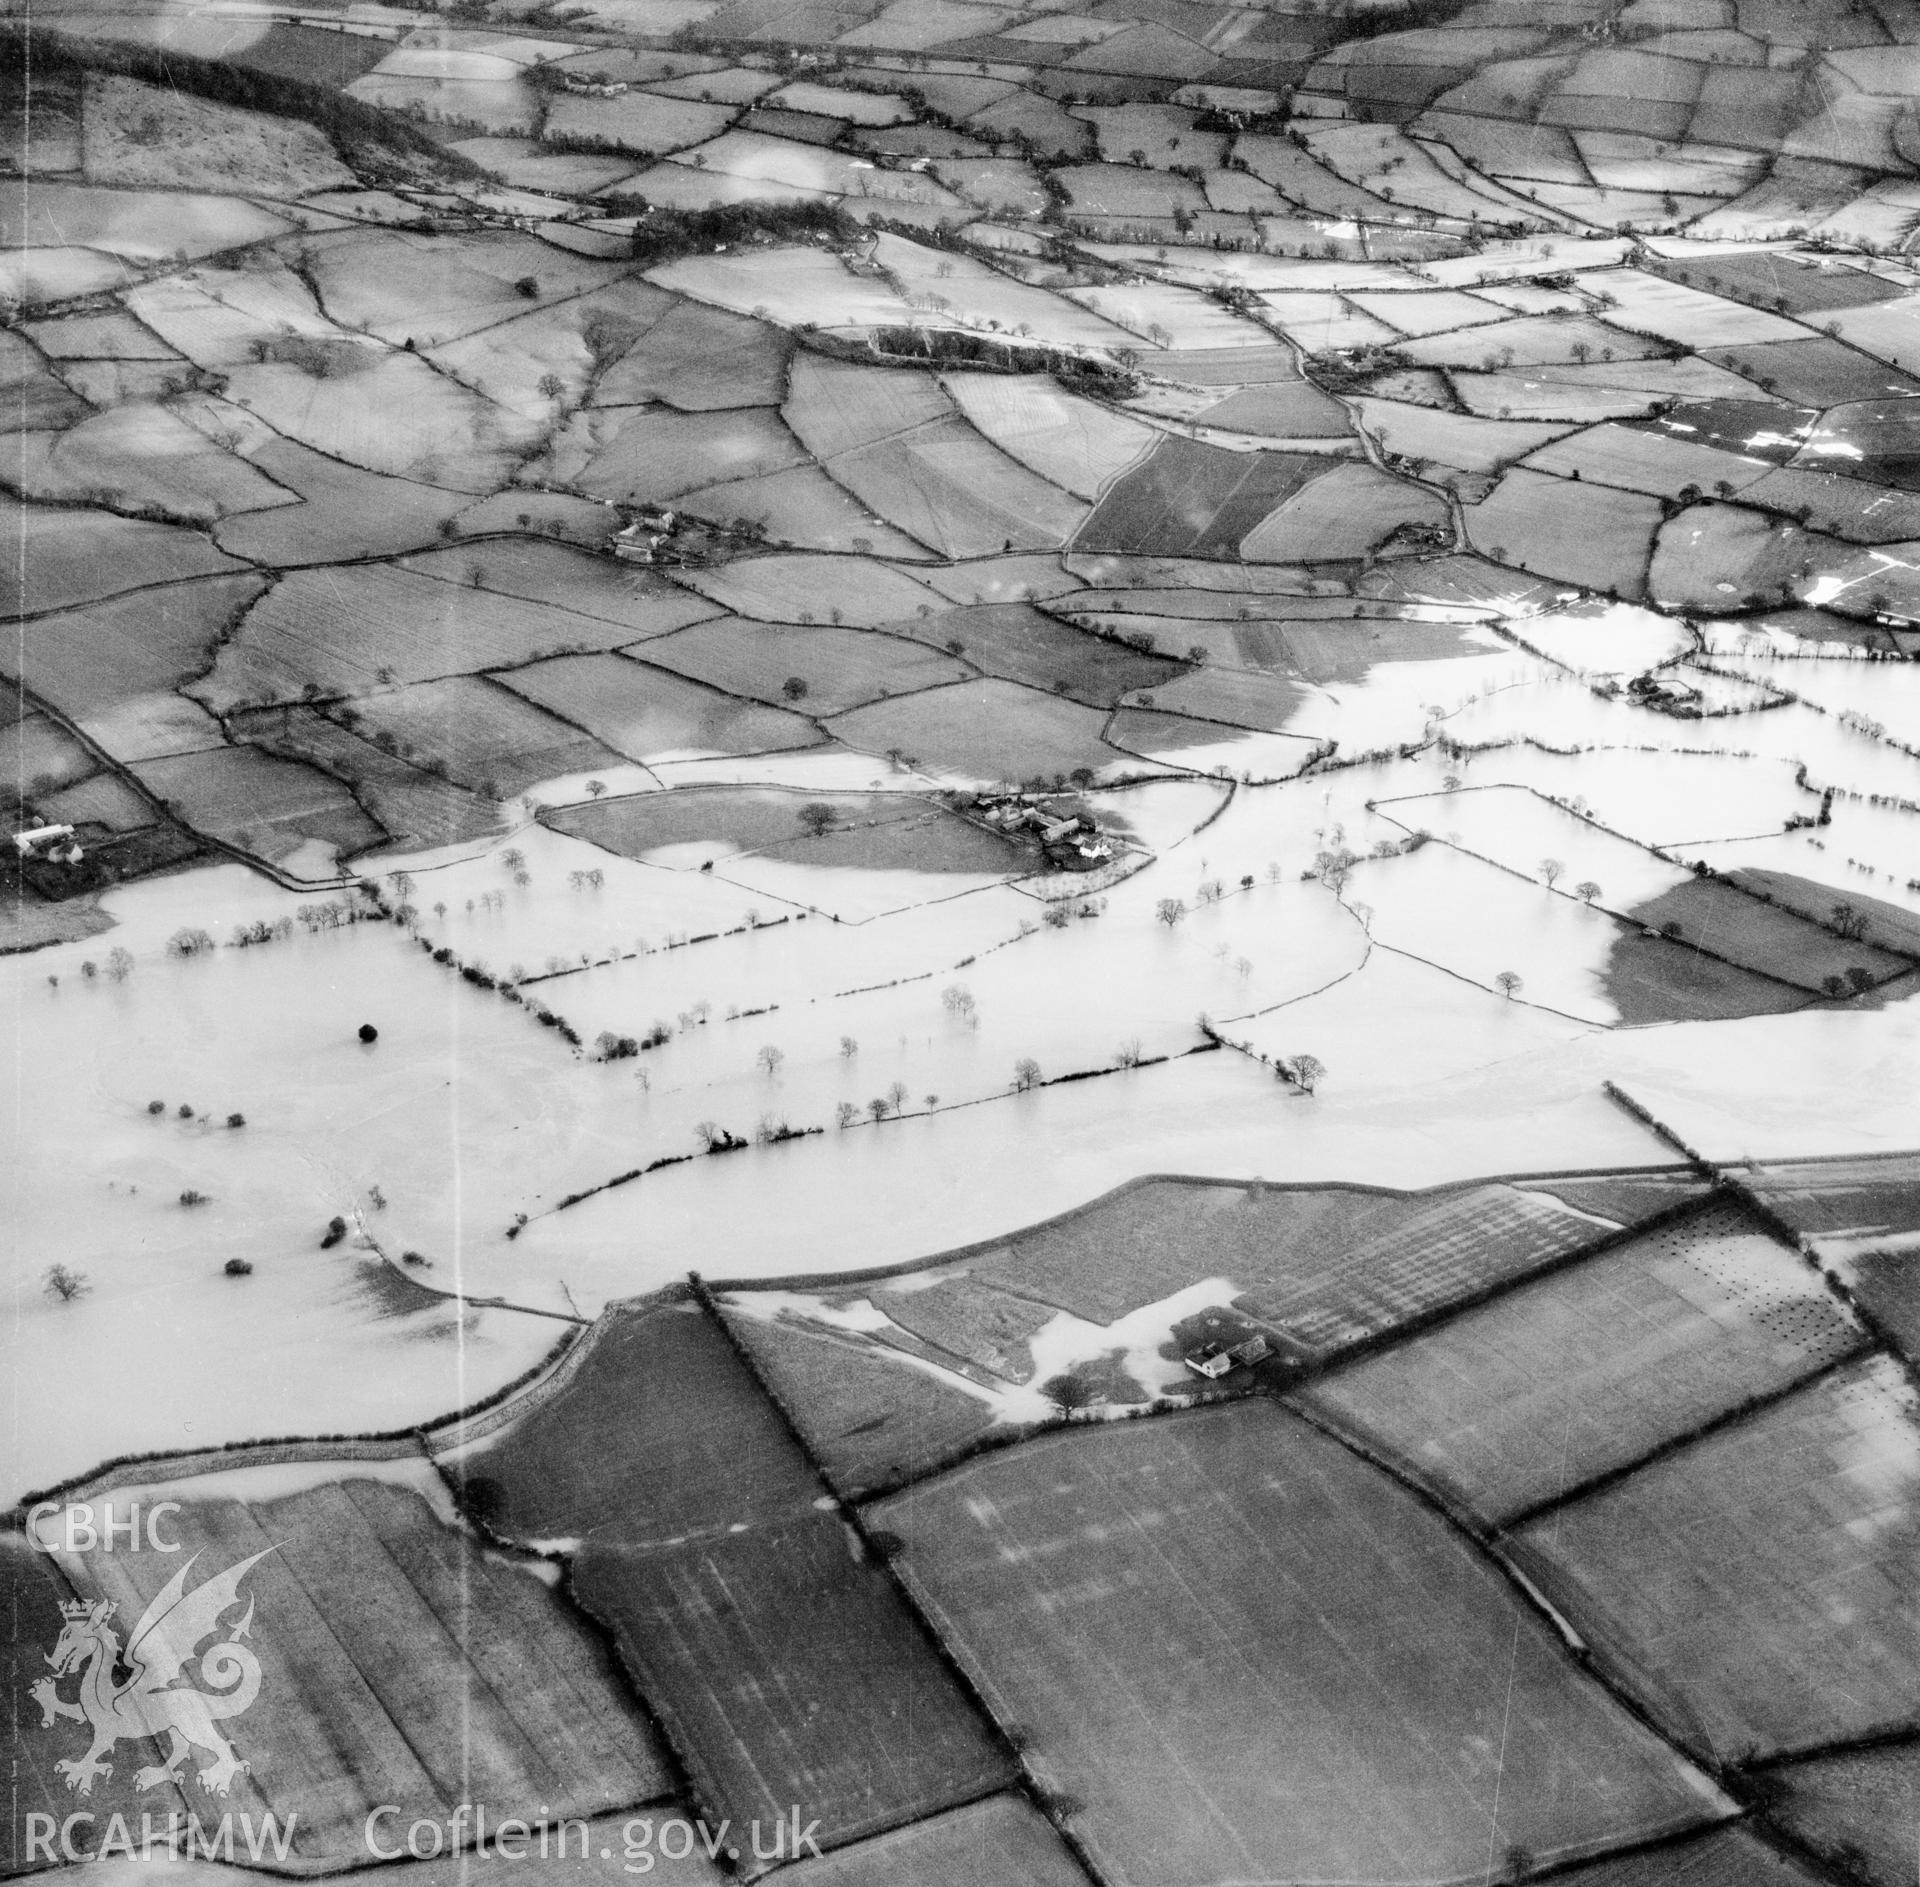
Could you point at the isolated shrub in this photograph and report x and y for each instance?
(156, 1107)
(236, 1120)
(239, 1268)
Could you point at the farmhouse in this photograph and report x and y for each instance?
(55, 844)
(1213, 1359)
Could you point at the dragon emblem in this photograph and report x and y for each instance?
(151, 1700)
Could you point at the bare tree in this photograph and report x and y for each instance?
(846, 1114)
(877, 1107)
(770, 1059)
(816, 816)
(1848, 920)
(1306, 1071)
(1170, 911)
(119, 964)
(1550, 870)
(1508, 983)
(897, 1094)
(957, 1000)
(63, 1285)
(848, 1048)
(1586, 891)
(1026, 1073)
(1129, 1053)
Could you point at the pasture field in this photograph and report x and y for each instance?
(649, 454)
(64, 557)
(1279, 411)
(262, 805)
(1768, 938)
(801, 509)
(1728, 1856)
(786, 1668)
(404, 286)
(615, 1458)
(140, 458)
(479, 735)
(1349, 512)
(1264, 703)
(1813, 371)
(1599, 538)
(1193, 500)
(1527, 341)
(382, 625)
(1456, 439)
(640, 123)
(835, 406)
(986, 732)
(853, 590)
(872, 832)
(838, 668)
(1584, 1372)
(418, 809)
(1000, 1838)
(1756, 1588)
(1017, 642)
(556, 575)
(1233, 1604)
(1855, 1808)
(1648, 979)
(1646, 461)
(1077, 444)
(947, 486)
(400, 1664)
(650, 713)
(1725, 557)
(871, 1416)
(344, 511)
(106, 663)
(515, 362)
(698, 359)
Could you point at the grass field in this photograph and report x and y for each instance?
(616, 1458)
(482, 736)
(852, 590)
(874, 831)
(1591, 1369)
(1857, 1809)
(263, 805)
(785, 1668)
(1768, 938)
(1598, 538)
(700, 360)
(1757, 1588)
(112, 663)
(1347, 513)
(1193, 500)
(1235, 1606)
(841, 668)
(67, 557)
(416, 808)
(1649, 979)
(870, 1417)
(999, 1839)
(399, 1665)
(986, 731)
(650, 713)
(649, 454)
(1016, 642)
(378, 626)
